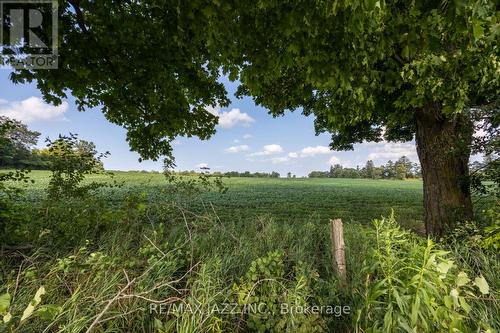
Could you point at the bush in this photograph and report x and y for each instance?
(413, 286)
(267, 288)
(11, 215)
(71, 160)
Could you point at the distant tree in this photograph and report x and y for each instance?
(319, 174)
(399, 171)
(289, 175)
(369, 169)
(388, 170)
(16, 142)
(336, 171)
(403, 168)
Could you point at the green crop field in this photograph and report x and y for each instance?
(107, 259)
(353, 200)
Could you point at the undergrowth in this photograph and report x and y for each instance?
(144, 265)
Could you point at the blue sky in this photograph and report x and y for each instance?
(247, 137)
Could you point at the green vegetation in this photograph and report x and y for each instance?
(366, 71)
(148, 255)
(401, 169)
(189, 253)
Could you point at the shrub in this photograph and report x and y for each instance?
(267, 287)
(11, 216)
(71, 160)
(193, 185)
(413, 286)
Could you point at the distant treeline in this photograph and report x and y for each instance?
(16, 146)
(273, 174)
(401, 169)
(17, 150)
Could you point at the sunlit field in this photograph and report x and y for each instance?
(108, 261)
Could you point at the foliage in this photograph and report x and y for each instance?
(491, 239)
(16, 143)
(267, 289)
(189, 186)
(10, 323)
(249, 174)
(483, 234)
(414, 286)
(357, 66)
(361, 66)
(141, 245)
(485, 178)
(403, 168)
(71, 160)
(154, 77)
(11, 215)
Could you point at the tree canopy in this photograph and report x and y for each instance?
(364, 66)
(146, 64)
(367, 70)
(358, 66)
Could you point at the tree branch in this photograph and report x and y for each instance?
(80, 19)
(398, 59)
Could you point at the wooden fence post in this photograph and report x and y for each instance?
(337, 247)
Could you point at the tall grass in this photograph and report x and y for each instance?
(113, 265)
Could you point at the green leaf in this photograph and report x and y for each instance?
(448, 301)
(4, 303)
(406, 52)
(464, 304)
(454, 296)
(48, 311)
(478, 31)
(31, 307)
(415, 309)
(7, 318)
(462, 279)
(483, 286)
(444, 266)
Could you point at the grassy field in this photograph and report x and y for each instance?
(106, 260)
(353, 200)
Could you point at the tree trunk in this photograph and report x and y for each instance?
(443, 147)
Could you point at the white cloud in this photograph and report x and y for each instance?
(393, 151)
(334, 160)
(269, 150)
(247, 136)
(293, 155)
(277, 160)
(237, 149)
(236, 141)
(231, 118)
(202, 165)
(313, 151)
(32, 109)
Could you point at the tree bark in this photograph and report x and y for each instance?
(443, 147)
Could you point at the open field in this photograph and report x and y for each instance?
(108, 259)
(353, 200)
